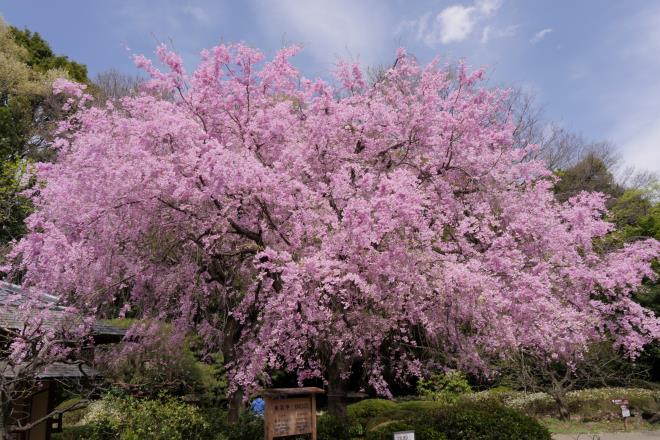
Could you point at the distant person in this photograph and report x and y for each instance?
(258, 406)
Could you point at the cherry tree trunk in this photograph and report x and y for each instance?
(337, 388)
(5, 410)
(560, 400)
(231, 336)
(235, 406)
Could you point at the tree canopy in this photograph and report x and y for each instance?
(327, 230)
(41, 57)
(589, 174)
(28, 114)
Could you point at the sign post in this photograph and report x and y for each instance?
(625, 410)
(404, 435)
(290, 411)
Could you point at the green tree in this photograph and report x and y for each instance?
(636, 215)
(42, 58)
(28, 113)
(14, 207)
(589, 174)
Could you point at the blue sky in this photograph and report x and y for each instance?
(594, 65)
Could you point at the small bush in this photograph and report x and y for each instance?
(588, 404)
(162, 362)
(386, 431)
(78, 433)
(402, 411)
(597, 401)
(435, 420)
(530, 403)
(417, 406)
(72, 417)
(249, 427)
(367, 409)
(444, 386)
(127, 418)
(486, 421)
(500, 389)
(331, 428)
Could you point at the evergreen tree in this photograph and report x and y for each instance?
(28, 112)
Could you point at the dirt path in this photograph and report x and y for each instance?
(644, 435)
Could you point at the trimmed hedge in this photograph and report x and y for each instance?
(366, 410)
(76, 433)
(387, 430)
(588, 404)
(487, 421)
(465, 420)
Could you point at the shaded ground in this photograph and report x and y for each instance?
(642, 435)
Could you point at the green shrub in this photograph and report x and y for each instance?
(500, 389)
(249, 427)
(367, 409)
(127, 418)
(444, 386)
(403, 411)
(212, 385)
(537, 404)
(596, 403)
(589, 404)
(72, 417)
(486, 421)
(85, 432)
(386, 431)
(163, 362)
(331, 428)
(417, 406)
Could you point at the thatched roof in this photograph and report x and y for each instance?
(11, 296)
(56, 370)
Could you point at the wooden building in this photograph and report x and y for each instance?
(38, 402)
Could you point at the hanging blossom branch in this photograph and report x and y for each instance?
(316, 227)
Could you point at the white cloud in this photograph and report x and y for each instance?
(509, 31)
(485, 35)
(327, 29)
(490, 33)
(198, 13)
(453, 24)
(487, 7)
(540, 35)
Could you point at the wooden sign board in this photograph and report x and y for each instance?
(289, 416)
(290, 411)
(404, 435)
(620, 402)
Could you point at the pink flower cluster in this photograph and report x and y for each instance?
(359, 221)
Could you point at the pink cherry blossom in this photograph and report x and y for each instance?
(305, 226)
